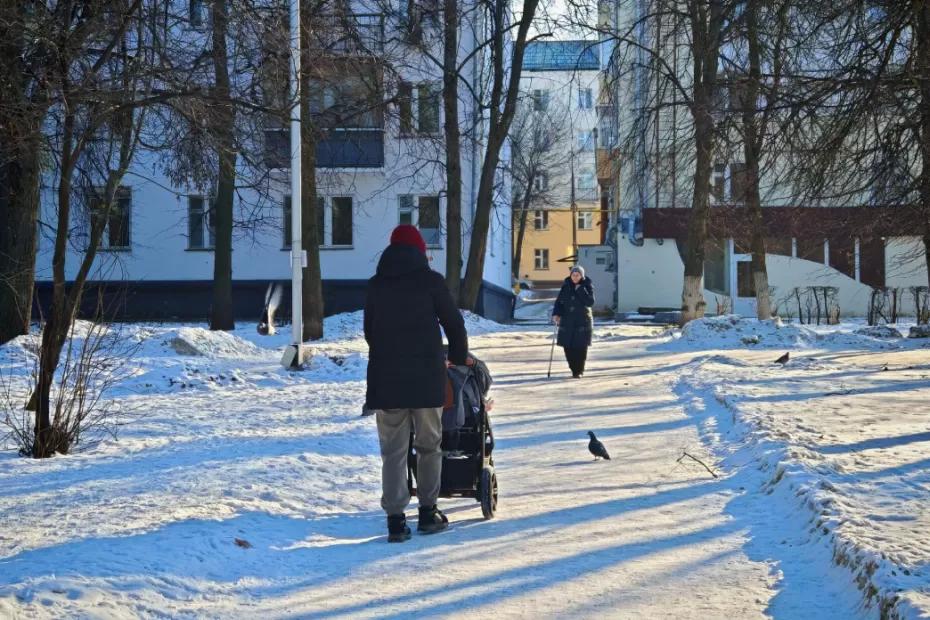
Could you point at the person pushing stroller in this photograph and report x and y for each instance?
(405, 305)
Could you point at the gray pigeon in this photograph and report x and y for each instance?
(597, 448)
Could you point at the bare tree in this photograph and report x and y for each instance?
(754, 97)
(536, 165)
(501, 106)
(861, 114)
(98, 87)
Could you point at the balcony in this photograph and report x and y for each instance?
(351, 148)
(339, 148)
(608, 165)
(349, 34)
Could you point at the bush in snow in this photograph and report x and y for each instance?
(93, 362)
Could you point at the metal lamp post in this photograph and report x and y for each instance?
(293, 354)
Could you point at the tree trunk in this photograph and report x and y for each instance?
(752, 144)
(450, 97)
(521, 224)
(221, 317)
(504, 91)
(518, 244)
(922, 36)
(60, 316)
(20, 148)
(474, 273)
(705, 51)
(19, 208)
(309, 233)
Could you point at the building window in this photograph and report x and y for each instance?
(541, 220)
(197, 13)
(320, 222)
(342, 220)
(541, 257)
(406, 210)
(540, 100)
(586, 180)
(541, 182)
(201, 232)
(586, 220)
(585, 100)
(422, 212)
(585, 141)
(116, 221)
(428, 108)
(419, 108)
(429, 219)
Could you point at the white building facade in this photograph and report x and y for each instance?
(851, 250)
(374, 172)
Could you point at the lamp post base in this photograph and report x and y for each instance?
(292, 358)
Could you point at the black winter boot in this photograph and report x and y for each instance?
(431, 520)
(397, 528)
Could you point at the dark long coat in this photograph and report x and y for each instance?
(573, 305)
(405, 305)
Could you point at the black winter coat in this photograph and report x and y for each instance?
(573, 305)
(405, 305)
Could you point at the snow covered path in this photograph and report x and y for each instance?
(146, 527)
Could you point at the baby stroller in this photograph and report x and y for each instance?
(467, 440)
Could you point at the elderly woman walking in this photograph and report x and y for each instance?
(572, 313)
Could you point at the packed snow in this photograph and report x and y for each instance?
(241, 489)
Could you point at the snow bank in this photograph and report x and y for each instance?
(736, 332)
(199, 341)
(843, 441)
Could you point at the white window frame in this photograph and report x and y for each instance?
(540, 215)
(328, 222)
(589, 176)
(585, 98)
(286, 221)
(207, 223)
(413, 210)
(415, 129)
(541, 182)
(586, 220)
(585, 141)
(541, 257)
(105, 236)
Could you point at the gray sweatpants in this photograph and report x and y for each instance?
(394, 436)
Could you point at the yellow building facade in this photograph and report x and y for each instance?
(548, 239)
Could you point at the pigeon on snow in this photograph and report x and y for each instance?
(597, 448)
(783, 359)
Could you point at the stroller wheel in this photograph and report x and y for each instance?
(488, 492)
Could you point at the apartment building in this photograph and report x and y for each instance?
(376, 99)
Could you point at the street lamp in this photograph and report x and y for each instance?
(293, 354)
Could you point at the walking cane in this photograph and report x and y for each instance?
(555, 335)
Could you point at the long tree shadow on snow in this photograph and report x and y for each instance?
(291, 555)
(778, 526)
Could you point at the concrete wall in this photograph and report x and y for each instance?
(648, 276)
(905, 264)
(786, 274)
(651, 276)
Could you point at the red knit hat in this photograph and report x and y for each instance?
(405, 234)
